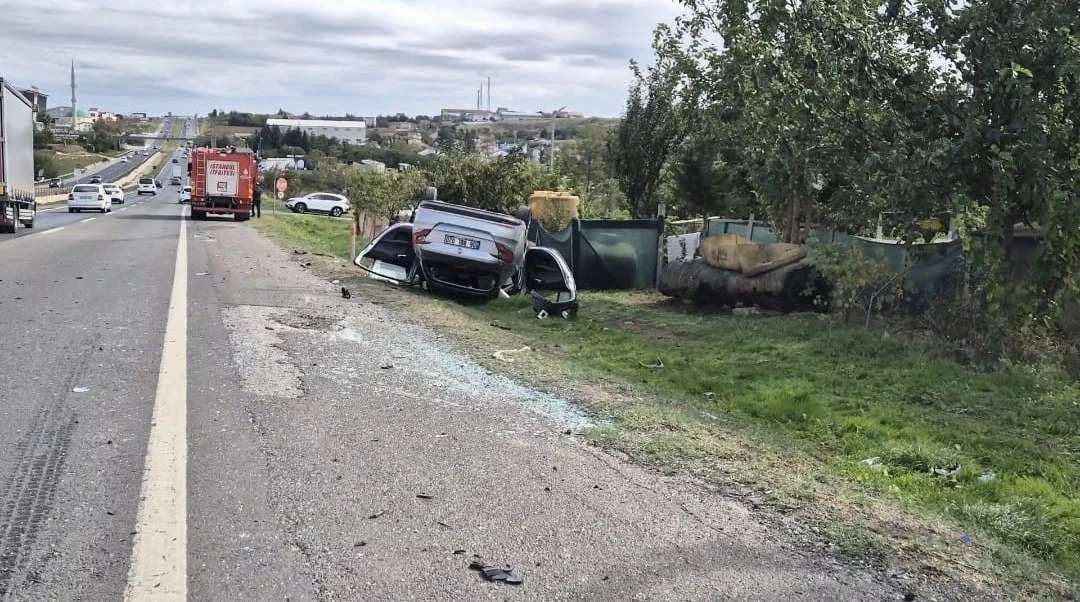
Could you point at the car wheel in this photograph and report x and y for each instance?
(336, 212)
(70, 210)
(300, 208)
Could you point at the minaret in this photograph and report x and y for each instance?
(74, 107)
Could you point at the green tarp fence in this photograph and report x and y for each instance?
(932, 269)
(607, 254)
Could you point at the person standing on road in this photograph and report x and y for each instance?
(256, 200)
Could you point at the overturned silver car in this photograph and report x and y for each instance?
(463, 252)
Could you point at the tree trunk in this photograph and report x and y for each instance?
(783, 289)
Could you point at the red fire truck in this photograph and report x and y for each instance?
(222, 181)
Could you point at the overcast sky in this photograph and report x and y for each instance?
(329, 56)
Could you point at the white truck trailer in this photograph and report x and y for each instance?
(17, 204)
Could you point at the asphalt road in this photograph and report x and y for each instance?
(189, 413)
(58, 217)
(115, 170)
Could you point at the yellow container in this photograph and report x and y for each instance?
(554, 210)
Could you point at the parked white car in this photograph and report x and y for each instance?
(147, 186)
(91, 197)
(185, 194)
(115, 193)
(320, 202)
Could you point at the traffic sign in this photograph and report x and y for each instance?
(280, 194)
(282, 184)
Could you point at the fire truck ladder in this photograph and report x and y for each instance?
(198, 174)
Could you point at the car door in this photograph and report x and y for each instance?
(323, 202)
(546, 272)
(393, 246)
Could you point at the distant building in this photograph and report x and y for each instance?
(38, 100)
(62, 117)
(139, 116)
(508, 115)
(96, 113)
(470, 115)
(282, 164)
(353, 132)
(371, 165)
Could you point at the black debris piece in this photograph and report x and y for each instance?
(268, 327)
(378, 514)
(500, 326)
(345, 294)
(459, 552)
(425, 496)
(909, 596)
(360, 544)
(496, 573)
(386, 366)
(442, 524)
(298, 252)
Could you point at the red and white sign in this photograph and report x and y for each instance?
(282, 184)
(223, 177)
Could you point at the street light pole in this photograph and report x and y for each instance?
(551, 157)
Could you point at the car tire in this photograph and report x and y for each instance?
(300, 208)
(336, 212)
(70, 210)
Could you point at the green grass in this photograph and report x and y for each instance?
(831, 392)
(845, 395)
(316, 233)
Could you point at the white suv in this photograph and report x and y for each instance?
(320, 202)
(147, 186)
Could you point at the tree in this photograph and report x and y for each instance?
(813, 97)
(1015, 130)
(649, 131)
(503, 184)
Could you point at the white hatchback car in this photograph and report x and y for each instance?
(185, 194)
(320, 202)
(115, 193)
(147, 186)
(91, 197)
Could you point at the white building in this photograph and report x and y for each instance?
(353, 132)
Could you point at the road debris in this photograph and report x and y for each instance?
(377, 514)
(496, 573)
(657, 366)
(425, 496)
(202, 273)
(345, 294)
(501, 354)
(80, 389)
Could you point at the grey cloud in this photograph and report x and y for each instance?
(297, 53)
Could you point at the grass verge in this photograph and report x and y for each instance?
(883, 441)
(315, 233)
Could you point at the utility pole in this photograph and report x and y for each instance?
(551, 157)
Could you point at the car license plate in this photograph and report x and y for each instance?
(457, 241)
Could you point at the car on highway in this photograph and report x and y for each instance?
(185, 194)
(56, 183)
(176, 181)
(124, 159)
(115, 192)
(175, 160)
(95, 180)
(147, 186)
(320, 202)
(92, 197)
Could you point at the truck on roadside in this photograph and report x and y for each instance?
(18, 205)
(222, 182)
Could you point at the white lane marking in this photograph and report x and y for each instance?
(89, 219)
(56, 229)
(158, 568)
